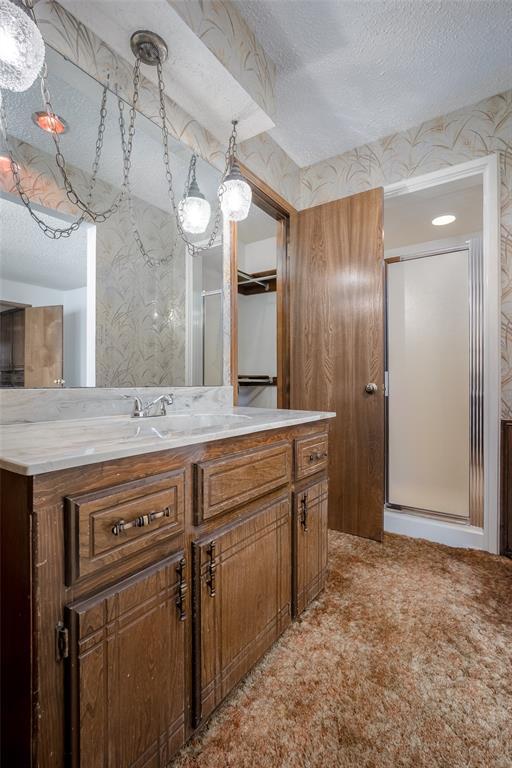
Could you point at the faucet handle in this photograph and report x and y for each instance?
(167, 400)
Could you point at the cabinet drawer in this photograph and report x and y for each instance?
(226, 483)
(107, 526)
(311, 455)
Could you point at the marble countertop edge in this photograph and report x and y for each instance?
(58, 458)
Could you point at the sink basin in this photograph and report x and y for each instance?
(127, 428)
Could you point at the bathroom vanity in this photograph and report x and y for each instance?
(147, 564)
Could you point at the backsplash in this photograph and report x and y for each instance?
(30, 405)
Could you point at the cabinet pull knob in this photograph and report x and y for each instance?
(212, 567)
(317, 456)
(142, 521)
(182, 589)
(304, 512)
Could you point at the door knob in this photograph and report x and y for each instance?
(371, 388)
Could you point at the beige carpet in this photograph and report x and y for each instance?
(406, 660)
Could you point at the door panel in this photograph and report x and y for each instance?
(337, 344)
(126, 675)
(242, 590)
(43, 346)
(310, 544)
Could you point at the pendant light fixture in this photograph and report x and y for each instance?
(235, 192)
(21, 48)
(194, 210)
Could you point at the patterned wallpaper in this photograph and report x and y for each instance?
(462, 135)
(140, 311)
(224, 31)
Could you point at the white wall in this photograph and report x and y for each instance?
(74, 304)
(258, 256)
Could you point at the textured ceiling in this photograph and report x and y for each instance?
(408, 218)
(28, 256)
(353, 71)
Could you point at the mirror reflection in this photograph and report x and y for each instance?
(118, 303)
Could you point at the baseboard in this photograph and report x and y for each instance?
(452, 534)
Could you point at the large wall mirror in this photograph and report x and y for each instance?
(91, 309)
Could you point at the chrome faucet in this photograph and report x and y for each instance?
(143, 410)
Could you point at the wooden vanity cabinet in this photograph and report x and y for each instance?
(125, 681)
(142, 590)
(242, 597)
(310, 506)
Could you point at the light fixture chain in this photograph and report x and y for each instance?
(149, 260)
(192, 248)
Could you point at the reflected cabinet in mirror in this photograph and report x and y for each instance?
(120, 302)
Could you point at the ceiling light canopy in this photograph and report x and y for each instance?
(442, 221)
(50, 123)
(21, 48)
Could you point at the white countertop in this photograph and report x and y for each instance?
(46, 446)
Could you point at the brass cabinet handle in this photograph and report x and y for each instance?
(139, 522)
(212, 567)
(317, 456)
(304, 512)
(182, 589)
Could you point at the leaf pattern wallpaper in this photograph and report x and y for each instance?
(460, 136)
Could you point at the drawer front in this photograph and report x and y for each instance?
(226, 483)
(107, 526)
(311, 455)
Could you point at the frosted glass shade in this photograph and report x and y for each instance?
(194, 213)
(236, 199)
(21, 48)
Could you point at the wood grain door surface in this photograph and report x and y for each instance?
(126, 675)
(44, 329)
(337, 348)
(242, 590)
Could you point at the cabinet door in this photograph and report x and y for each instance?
(242, 599)
(310, 544)
(126, 674)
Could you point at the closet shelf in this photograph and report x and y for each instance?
(256, 282)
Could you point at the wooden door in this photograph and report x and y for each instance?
(310, 544)
(43, 346)
(242, 599)
(126, 675)
(337, 348)
(6, 341)
(18, 338)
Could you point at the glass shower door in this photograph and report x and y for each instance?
(429, 375)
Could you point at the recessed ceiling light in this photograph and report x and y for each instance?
(49, 123)
(440, 221)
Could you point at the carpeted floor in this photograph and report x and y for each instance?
(406, 660)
